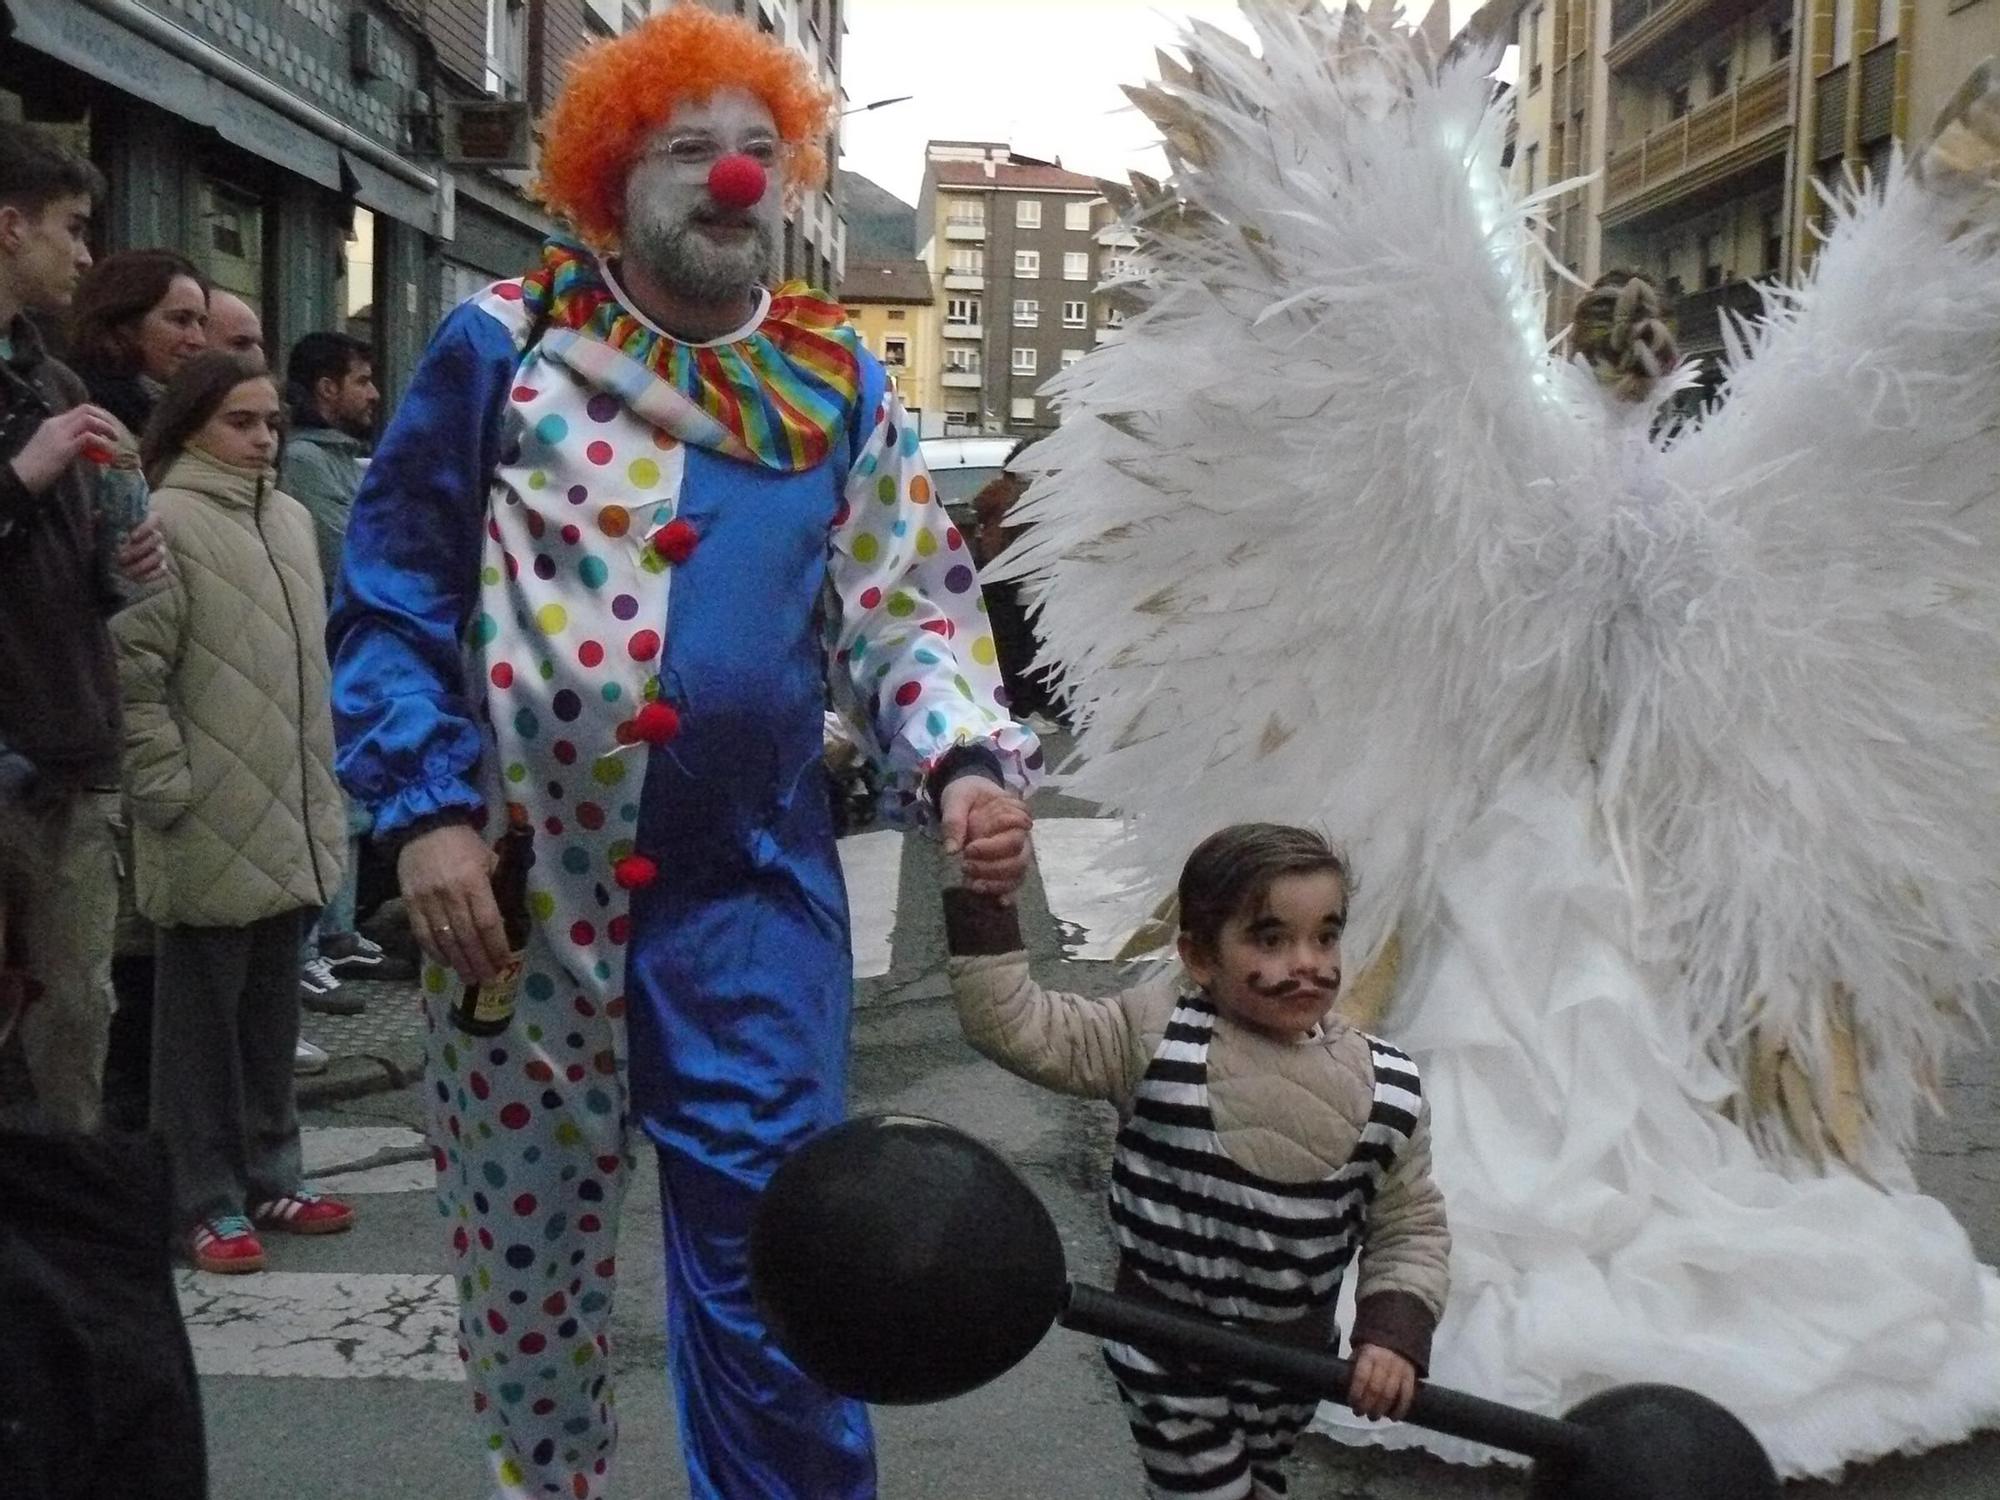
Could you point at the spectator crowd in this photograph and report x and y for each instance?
(178, 867)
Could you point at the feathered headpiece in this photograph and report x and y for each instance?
(617, 92)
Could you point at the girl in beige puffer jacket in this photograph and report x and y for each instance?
(1265, 1145)
(239, 827)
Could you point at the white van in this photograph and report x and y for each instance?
(963, 466)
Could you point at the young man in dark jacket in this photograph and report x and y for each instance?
(59, 723)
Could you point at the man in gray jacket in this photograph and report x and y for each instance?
(330, 382)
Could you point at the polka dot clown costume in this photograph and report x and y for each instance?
(599, 582)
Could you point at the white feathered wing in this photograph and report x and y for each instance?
(1312, 541)
(1805, 687)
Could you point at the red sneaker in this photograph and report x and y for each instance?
(225, 1246)
(301, 1212)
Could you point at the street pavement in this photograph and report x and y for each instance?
(335, 1374)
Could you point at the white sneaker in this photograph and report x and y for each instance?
(308, 1059)
(318, 978)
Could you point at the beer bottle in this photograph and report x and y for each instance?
(488, 1009)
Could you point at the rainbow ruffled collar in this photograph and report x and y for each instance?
(775, 397)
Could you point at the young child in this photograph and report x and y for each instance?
(1264, 1145)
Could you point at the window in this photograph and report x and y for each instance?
(1774, 241)
(962, 359)
(967, 260)
(1028, 263)
(1024, 362)
(1076, 265)
(898, 315)
(1711, 260)
(959, 419)
(1027, 313)
(1531, 160)
(961, 312)
(966, 212)
(895, 351)
(506, 48)
(1531, 48)
(1718, 77)
(1678, 100)
(1076, 315)
(1781, 39)
(1024, 408)
(1027, 213)
(1119, 265)
(1076, 214)
(1070, 357)
(1557, 134)
(1114, 317)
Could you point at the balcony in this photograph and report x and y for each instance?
(1747, 126)
(964, 331)
(1698, 315)
(1644, 28)
(962, 380)
(965, 229)
(964, 281)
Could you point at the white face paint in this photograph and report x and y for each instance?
(676, 230)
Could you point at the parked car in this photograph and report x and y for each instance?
(961, 467)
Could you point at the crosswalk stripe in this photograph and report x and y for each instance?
(335, 1158)
(872, 865)
(1084, 895)
(335, 1324)
(1086, 890)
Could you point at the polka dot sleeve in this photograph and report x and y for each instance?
(914, 637)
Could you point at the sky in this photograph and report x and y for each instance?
(980, 70)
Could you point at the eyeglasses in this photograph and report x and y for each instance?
(703, 151)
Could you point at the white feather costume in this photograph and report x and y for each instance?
(1675, 767)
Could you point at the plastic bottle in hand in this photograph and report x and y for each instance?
(488, 1009)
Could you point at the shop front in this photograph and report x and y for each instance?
(267, 145)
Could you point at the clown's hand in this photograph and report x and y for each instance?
(986, 826)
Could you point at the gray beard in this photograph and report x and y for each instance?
(694, 267)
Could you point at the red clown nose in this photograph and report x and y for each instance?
(736, 181)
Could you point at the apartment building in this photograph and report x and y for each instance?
(1704, 125)
(1011, 245)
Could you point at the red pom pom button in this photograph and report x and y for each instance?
(656, 723)
(675, 541)
(737, 181)
(635, 872)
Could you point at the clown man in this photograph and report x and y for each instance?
(637, 517)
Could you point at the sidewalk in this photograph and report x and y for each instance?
(380, 1049)
(383, 1047)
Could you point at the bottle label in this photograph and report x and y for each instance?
(495, 1000)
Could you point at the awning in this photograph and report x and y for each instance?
(259, 129)
(374, 188)
(97, 45)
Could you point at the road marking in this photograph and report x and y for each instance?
(872, 865)
(334, 1155)
(1085, 893)
(328, 1324)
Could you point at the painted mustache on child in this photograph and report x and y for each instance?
(1289, 989)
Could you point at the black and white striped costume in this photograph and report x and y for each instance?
(1196, 1228)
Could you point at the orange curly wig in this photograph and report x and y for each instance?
(617, 92)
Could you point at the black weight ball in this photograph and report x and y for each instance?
(898, 1260)
(1658, 1442)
